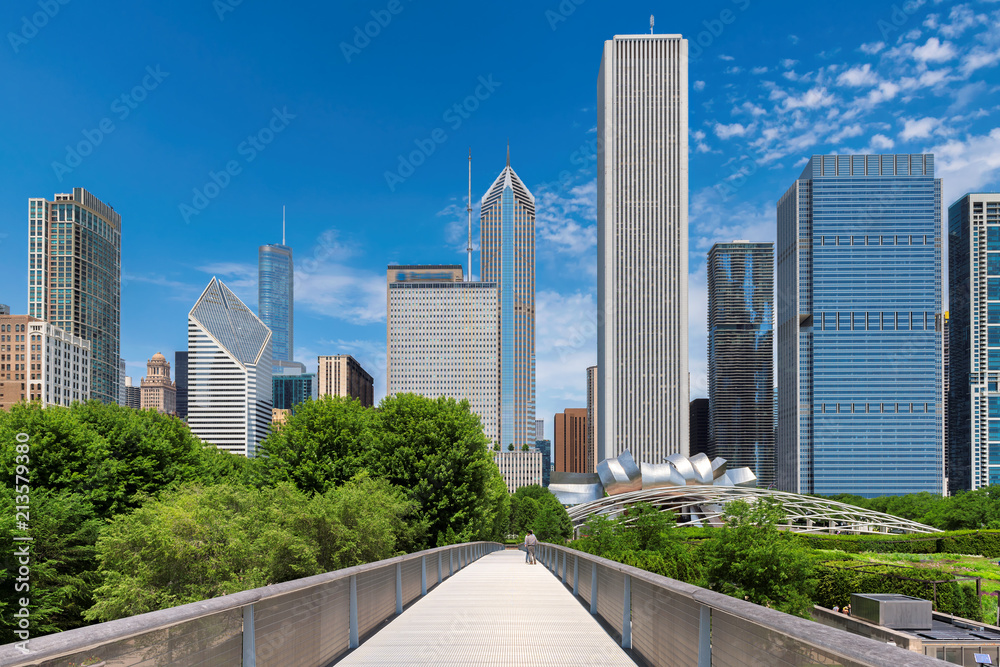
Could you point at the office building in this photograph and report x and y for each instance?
(276, 298)
(507, 241)
(41, 362)
(741, 356)
(342, 375)
(539, 429)
(642, 247)
(74, 278)
(121, 381)
(133, 394)
(289, 390)
(442, 339)
(974, 342)
(698, 421)
(520, 468)
(181, 380)
(229, 372)
(593, 453)
(158, 392)
(859, 327)
(946, 381)
(545, 447)
(569, 445)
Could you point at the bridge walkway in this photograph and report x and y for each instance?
(498, 611)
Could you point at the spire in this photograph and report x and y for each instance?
(468, 208)
(508, 152)
(282, 224)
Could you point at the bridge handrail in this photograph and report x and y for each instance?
(669, 622)
(96, 641)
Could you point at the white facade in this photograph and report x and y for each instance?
(63, 374)
(642, 247)
(520, 468)
(229, 372)
(592, 451)
(442, 339)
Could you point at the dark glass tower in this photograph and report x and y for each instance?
(860, 390)
(275, 297)
(181, 379)
(740, 356)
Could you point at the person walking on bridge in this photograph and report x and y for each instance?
(530, 541)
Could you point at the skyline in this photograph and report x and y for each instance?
(935, 92)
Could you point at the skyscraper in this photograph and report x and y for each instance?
(229, 372)
(859, 327)
(642, 247)
(276, 297)
(741, 356)
(342, 375)
(539, 429)
(569, 446)
(289, 390)
(507, 239)
(593, 454)
(157, 391)
(74, 278)
(974, 342)
(698, 422)
(442, 340)
(39, 362)
(181, 380)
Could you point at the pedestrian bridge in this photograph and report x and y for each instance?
(470, 604)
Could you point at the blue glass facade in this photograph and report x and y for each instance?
(275, 297)
(289, 391)
(860, 318)
(545, 447)
(741, 356)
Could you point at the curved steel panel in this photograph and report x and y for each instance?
(658, 475)
(702, 469)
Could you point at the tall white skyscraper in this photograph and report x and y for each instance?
(642, 247)
(442, 338)
(507, 238)
(229, 372)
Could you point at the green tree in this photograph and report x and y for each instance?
(321, 446)
(510, 447)
(750, 558)
(109, 454)
(525, 448)
(536, 508)
(63, 562)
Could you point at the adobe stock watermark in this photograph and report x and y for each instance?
(562, 12)
(455, 116)
(363, 35)
(248, 150)
(122, 106)
(30, 26)
(22, 542)
(714, 29)
(223, 7)
(898, 17)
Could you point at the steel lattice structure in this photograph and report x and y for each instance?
(700, 505)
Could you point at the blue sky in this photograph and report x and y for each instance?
(288, 106)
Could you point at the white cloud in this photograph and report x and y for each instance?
(977, 58)
(759, 70)
(872, 47)
(699, 85)
(566, 220)
(788, 63)
(880, 142)
(935, 51)
(700, 145)
(729, 131)
(734, 70)
(814, 98)
(969, 165)
(918, 129)
(566, 335)
(846, 133)
(725, 57)
(961, 18)
(858, 76)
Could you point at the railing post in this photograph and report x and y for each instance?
(353, 641)
(399, 588)
(423, 575)
(576, 575)
(565, 566)
(440, 557)
(593, 588)
(627, 614)
(451, 562)
(705, 637)
(249, 639)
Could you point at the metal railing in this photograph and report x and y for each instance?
(300, 623)
(667, 622)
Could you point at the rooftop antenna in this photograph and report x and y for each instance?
(468, 209)
(650, 24)
(282, 224)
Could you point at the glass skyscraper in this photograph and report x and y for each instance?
(288, 391)
(275, 298)
(860, 405)
(507, 240)
(75, 277)
(741, 356)
(974, 343)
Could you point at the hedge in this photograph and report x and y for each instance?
(835, 583)
(975, 542)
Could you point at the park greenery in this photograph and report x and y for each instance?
(129, 512)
